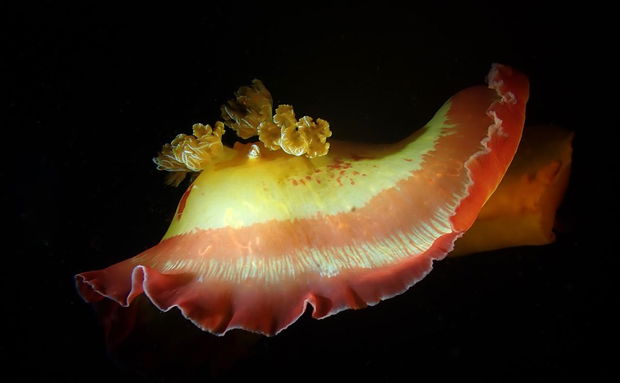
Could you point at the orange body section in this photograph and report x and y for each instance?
(522, 209)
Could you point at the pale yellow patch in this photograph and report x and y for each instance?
(246, 191)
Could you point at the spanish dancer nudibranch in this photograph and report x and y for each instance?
(268, 227)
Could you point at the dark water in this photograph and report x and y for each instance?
(94, 91)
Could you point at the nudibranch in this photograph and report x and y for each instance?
(268, 227)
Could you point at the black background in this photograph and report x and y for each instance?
(95, 90)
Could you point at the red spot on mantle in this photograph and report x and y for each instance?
(294, 182)
(408, 159)
(339, 164)
(184, 201)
